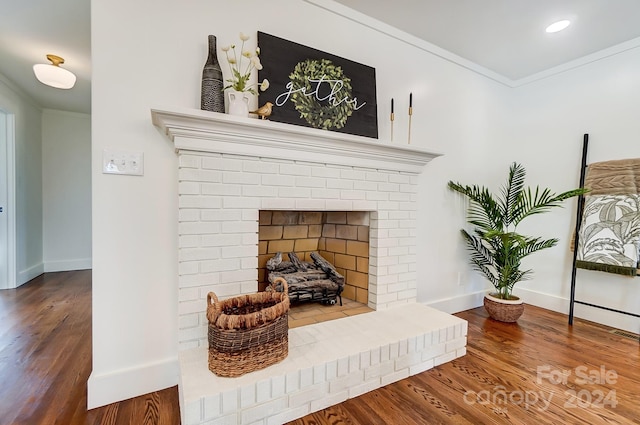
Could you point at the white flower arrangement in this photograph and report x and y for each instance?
(240, 74)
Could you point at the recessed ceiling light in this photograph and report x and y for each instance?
(558, 26)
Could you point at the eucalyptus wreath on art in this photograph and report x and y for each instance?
(329, 115)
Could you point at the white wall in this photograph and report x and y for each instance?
(66, 187)
(545, 134)
(160, 52)
(28, 180)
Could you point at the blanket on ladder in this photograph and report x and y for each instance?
(609, 238)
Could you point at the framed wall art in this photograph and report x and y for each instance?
(312, 88)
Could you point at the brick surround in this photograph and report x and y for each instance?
(230, 169)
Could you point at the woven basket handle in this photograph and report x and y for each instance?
(285, 287)
(213, 308)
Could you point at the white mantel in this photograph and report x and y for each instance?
(193, 129)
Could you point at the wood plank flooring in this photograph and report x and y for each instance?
(45, 361)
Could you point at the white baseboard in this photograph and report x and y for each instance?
(593, 314)
(459, 303)
(67, 265)
(26, 275)
(107, 388)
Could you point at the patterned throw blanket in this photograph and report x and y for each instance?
(609, 238)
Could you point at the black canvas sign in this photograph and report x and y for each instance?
(312, 88)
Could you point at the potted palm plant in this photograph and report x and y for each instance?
(496, 247)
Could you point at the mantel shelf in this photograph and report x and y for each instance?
(203, 131)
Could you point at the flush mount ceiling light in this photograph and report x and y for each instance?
(558, 26)
(54, 76)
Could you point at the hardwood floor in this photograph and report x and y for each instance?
(507, 376)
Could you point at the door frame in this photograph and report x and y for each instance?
(10, 207)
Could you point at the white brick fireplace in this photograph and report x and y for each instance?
(231, 168)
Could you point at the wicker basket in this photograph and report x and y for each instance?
(248, 332)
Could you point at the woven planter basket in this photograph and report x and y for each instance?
(503, 310)
(248, 332)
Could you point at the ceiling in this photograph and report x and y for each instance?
(504, 36)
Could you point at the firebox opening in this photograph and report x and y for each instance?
(340, 237)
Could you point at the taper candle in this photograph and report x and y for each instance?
(410, 100)
(392, 105)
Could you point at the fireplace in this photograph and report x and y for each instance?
(230, 170)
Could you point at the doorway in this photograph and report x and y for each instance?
(7, 201)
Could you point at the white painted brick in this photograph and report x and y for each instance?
(238, 276)
(374, 356)
(220, 214)
(188, 161)
(399, 196)
(354, 363)
(188, 321)
(241, 202)
(408, 188)
(310, 182)
(260, 167)
(195, 254)
(329, 400)
(198, 280)
(189, 307)
(421, 367)
(260, 191)
(193, 412)
(461, 351)
(399, 250)
(263, 390)
(365, 359)
(339, 184)
(220, 240)
(377, 196)
(188, 215)
(226, 265)
(310, 204)
(319, 373)
(332, 369)
(212, 406)
(295, 170)
(446, 357)
(408, 360)
(343, 366)
(188, 174)
(365, 185)
(285, 204)
(224, 420)
(346, 382)
(394, 377)
(277, 386)
(451, 333)
(294, 192)
(399, 178)
(220, 189)
(306, 377)
(433, 351)
(388, 187)
(240, 251)
(363, 388)
(377, 177)
(275, 180)
(341, 205)
(325, 172)
(250, 286)
(325, 194)
(262, 411)
(230, 401)
(352, 194)
(364, 205)
(250, 239)
(188, 241)
(352, 174)
(385, 353)
(223, 164)
(378, 370)
(307, 395)
(455, 344)
(240, 227)
(196, 201)
(241, 178)
(190, 267)
(386, 205)
(189, 294)
(199, 228)
(288, 415)
(292, 382)
(189, 188)
(249, 263)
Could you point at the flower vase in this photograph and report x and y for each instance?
(212, 95)
(238, 103)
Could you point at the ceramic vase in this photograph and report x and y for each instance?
(238, 103)
(212, 95)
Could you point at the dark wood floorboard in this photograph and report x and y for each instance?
(45, 361)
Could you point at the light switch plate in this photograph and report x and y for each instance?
(115, 161)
